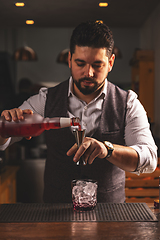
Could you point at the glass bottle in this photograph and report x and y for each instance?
(34, 125)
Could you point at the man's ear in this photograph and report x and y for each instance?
(111, 62)
(69, 59)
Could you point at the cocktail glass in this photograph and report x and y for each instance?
(84, 194)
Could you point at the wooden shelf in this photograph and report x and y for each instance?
(143, 187)
(8, 184)
(143, 79)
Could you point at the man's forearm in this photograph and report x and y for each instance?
(125, 158)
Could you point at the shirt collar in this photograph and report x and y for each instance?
(70, 89)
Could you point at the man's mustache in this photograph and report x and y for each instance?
(87, 79)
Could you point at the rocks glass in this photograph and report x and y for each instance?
(84, 194)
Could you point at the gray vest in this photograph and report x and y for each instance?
(60, 169)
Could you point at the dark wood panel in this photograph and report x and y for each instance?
(94, 231)
(142, 183)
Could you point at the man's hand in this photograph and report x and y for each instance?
(123, 157)
(90, 149)
(15, 114)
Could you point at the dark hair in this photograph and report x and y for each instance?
(92, 34)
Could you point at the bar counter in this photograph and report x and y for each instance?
(82, 230)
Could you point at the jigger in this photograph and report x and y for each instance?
(79, 136)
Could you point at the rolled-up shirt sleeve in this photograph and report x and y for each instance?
(37, 102)
(138, 135)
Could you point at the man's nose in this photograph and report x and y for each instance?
(89, 71)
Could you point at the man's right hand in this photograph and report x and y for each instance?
(14, 114)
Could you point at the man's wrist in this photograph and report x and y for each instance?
(109, 147)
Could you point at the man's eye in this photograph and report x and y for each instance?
(97, 66)
(80, 64)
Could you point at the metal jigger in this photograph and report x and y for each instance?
(79, 136)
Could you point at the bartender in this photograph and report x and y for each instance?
(118, 137)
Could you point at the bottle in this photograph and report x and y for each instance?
(34, 125)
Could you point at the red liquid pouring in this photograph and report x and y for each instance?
(34, 125)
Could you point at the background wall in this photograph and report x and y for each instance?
(150, 39)
(48, 43)
(127, 40)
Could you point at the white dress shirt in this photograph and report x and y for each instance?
(137, 129)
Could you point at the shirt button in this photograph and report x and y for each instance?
(85, 108)
(85, 124)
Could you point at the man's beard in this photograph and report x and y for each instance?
(86, 90)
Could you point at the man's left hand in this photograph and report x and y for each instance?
(89, 149)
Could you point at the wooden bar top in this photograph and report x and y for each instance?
(82, 230)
